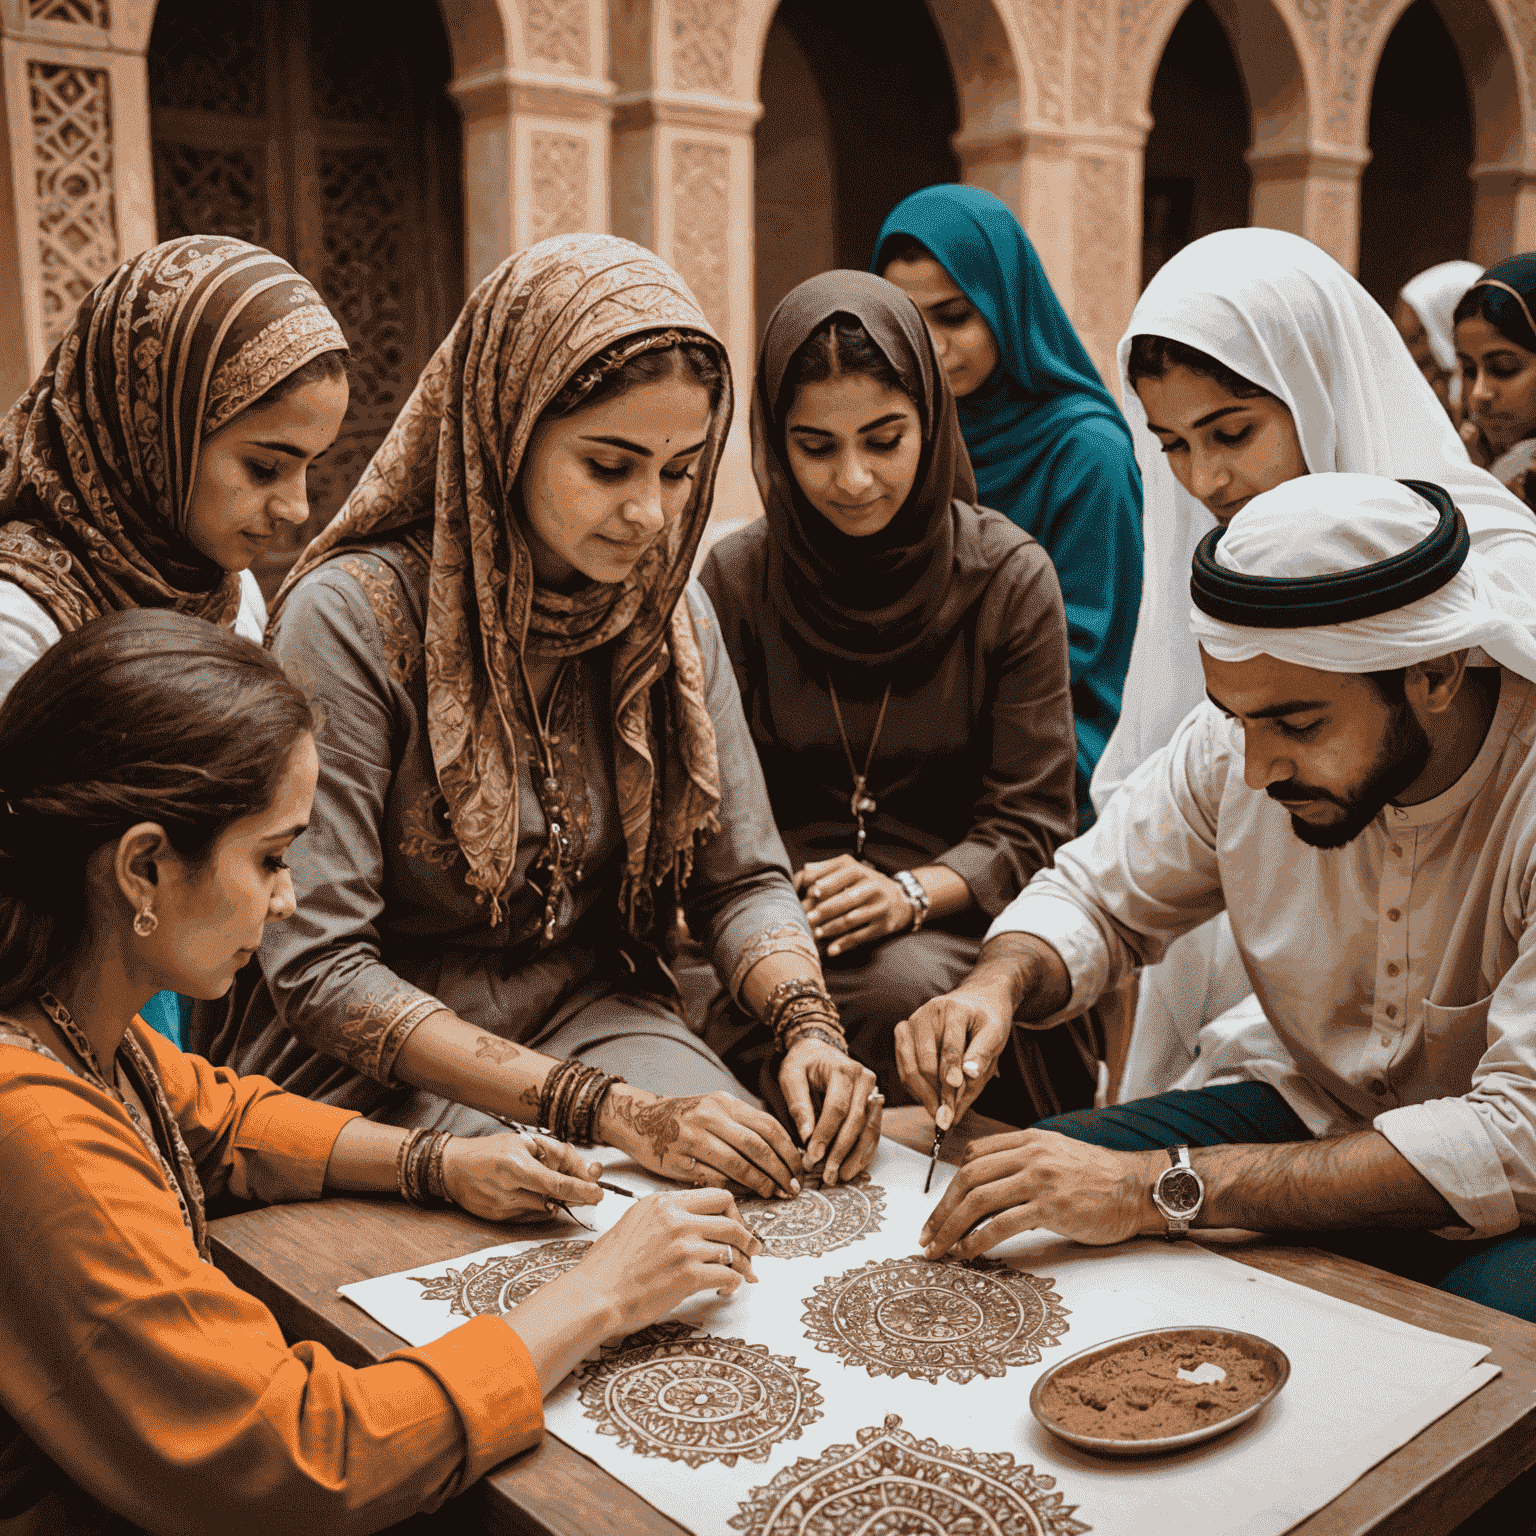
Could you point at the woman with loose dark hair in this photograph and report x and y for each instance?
(533, 756)
(154, 770)
(902, 659)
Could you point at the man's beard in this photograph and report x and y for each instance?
(1400, 760)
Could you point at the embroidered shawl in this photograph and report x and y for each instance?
(450, 465)
(98, 458)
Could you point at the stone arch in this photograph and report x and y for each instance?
(1276, 63)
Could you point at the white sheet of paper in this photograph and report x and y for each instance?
(1361, 1384)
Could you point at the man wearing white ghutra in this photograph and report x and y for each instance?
(1359, 794)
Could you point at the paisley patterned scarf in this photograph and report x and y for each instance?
(450, 465)
(98, 458)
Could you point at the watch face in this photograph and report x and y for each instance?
(1179, 1190)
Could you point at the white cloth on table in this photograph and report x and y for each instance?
(1361, 1384)
(27, 628)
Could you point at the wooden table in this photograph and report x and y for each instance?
(293, 1257)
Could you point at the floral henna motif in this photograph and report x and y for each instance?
(912, 1317)
(493, 1048)
(660, 1122)
(497, 1285)
(671, 1392)
(893, 1482)
(817, 1220)
(781, 938)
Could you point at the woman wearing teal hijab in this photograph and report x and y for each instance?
(1047, 442)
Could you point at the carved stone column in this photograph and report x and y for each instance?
(77, 143)
(1503, 211)
(536, 132)
(682, 174)
(1313, 192)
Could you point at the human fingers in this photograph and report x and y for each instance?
(836, 1098)
(906, 1067)
(796, 1088)
(927, 1026)
(951, 1051)
(975, 1205)
(988, 1146)
(972, 1173)
(852, 1127)
(997, 1229)
(875, 928)
(833, 909)
(766, 1150)
(562, 1158)
(869, 1139)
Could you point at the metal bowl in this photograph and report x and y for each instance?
(1248, 1343)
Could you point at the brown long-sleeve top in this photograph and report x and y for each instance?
(139, 1388)
(974, 764)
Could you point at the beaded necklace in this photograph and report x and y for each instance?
(554, 798)
(182, 1183)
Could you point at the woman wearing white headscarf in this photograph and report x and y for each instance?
(1271, 315)
(1426, 305)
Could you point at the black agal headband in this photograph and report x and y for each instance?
(1308, 602)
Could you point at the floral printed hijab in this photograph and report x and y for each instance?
(98, 458)
(447, 473)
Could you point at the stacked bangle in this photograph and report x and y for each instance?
(802, 1008)
(572, 1099)
(912, 888)
(419, 1166)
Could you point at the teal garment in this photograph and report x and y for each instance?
(169, 1013)
(1048, 444)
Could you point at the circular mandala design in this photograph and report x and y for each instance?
(893, 1484)
(497, 1285)
(913, 1317)
(817, 1220)
(670, 1392)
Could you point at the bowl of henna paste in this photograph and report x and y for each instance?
(1163, 1390)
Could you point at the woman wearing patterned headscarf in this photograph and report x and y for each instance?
(1048, 444)
(533, 754)
(902, 659)
(163, 444)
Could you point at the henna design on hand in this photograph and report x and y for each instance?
(660, 1122)
(491, 1048)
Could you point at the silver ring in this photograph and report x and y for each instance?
(690, 1162)
(730, 1257)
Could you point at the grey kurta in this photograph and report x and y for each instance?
(387, 929)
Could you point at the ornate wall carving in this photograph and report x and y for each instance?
(1136, 21)
(84, 13)
(1345, 108)
(1047, 25)
(1333, 210)
(701, 178)
(559, 173)
(704, 44)
(1088, 62)
(557, 33)
(1106, 229)
(72, 158)
(209, 189)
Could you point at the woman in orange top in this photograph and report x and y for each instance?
(153, 771)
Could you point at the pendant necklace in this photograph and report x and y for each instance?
(860, 802)
(553, 798)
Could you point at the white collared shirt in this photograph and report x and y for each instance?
(1399, 970)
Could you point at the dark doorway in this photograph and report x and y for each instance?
(1197, 180)
(1416, 195)
(309, 128)
(858, 110)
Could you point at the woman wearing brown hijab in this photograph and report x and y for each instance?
(902, 660)
(533, 754)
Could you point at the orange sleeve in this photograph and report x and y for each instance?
(245, 1134)
(167, 1392)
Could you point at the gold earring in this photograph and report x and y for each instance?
(146, 922)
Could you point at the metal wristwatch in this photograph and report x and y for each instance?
(917, 897)
(1179, 1193)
